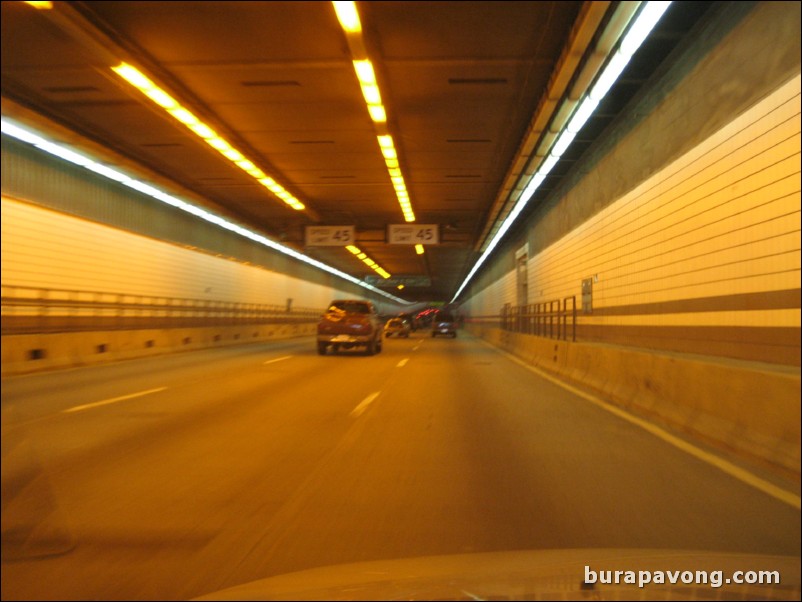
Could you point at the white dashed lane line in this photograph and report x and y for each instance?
(363, 405)
(112, 400)
(278, 359)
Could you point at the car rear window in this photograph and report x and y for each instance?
(351, 307)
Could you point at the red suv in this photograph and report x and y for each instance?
(350, 323)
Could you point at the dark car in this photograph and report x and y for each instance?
(409, 319)
(444, 323)
(350, 323)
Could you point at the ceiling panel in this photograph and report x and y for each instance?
(461, 82)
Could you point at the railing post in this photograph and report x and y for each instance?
(573, 318)
(42, 313)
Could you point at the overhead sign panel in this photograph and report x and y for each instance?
(409, 280)
(413, 234)
(330, 236)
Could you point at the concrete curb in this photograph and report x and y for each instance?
(24, 354)
(750, 411)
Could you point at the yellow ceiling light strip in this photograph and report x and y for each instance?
(41, 5)
(370, 87)
(391, 159)
(367, 261)
(140, 81)
(348, 16)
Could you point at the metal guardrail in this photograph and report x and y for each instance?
(553, 319)
(30, 310)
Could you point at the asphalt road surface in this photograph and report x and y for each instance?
(175, 476)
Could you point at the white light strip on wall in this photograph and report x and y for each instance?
(632, 40)
(29, 137)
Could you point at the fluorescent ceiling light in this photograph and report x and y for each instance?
(563, 142)
(644, 23)
(609, 76)
(188, 119)
(533, 185)
(377, 113)
(546, 167)
(144, 84)
(107, 172)
(25, 135)
(364, 72)
(364, 257)
(638, 31)
(348, 16)
(64, 153)
(161, 98)
(583, 113)
(371, 94)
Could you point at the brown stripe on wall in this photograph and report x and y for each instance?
(786, 299)
(761, 344)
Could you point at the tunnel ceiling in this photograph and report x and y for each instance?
(469, 90)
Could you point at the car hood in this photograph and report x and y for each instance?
(529, 575)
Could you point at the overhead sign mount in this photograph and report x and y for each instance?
(330, 236)
(413, 234)
(399, 280)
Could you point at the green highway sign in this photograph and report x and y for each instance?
(399, 280)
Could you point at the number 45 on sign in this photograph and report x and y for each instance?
(413, 234)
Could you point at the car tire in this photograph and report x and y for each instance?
(370, 348)
(321, 348)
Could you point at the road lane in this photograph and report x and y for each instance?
(471, 452)
(246, 467)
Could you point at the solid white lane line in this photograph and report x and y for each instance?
(364, 404)
(402, 363)
(113, 400)
(278, 359)
(731, 469)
